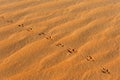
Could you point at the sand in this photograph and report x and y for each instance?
(59, 39)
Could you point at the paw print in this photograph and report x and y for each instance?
(105, 71)
(21, 25)
(71, 50)
(29, 29)
(49, 37)
(90, 58)
(41, 33)
(60, 45)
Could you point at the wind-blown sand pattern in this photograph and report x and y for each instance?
(59, 39)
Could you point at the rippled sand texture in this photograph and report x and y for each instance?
(59, 39)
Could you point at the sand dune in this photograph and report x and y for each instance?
(59, 39)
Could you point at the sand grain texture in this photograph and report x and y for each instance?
(59, 39)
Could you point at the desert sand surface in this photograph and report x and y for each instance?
(59, 39)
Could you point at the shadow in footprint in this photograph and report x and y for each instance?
(90, 58)
(21, 25)
(71, 51)
(29, 29)
(41, 33)
(49, 37)
(60, 45)
(105, 71)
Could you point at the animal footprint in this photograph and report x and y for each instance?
(105, 71)
(60, 45)
(41, 33)
(21, 25)
(71, 50)
(49, 37)
(29, 29)
(90, 58)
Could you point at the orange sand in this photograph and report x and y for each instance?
(59, 39)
